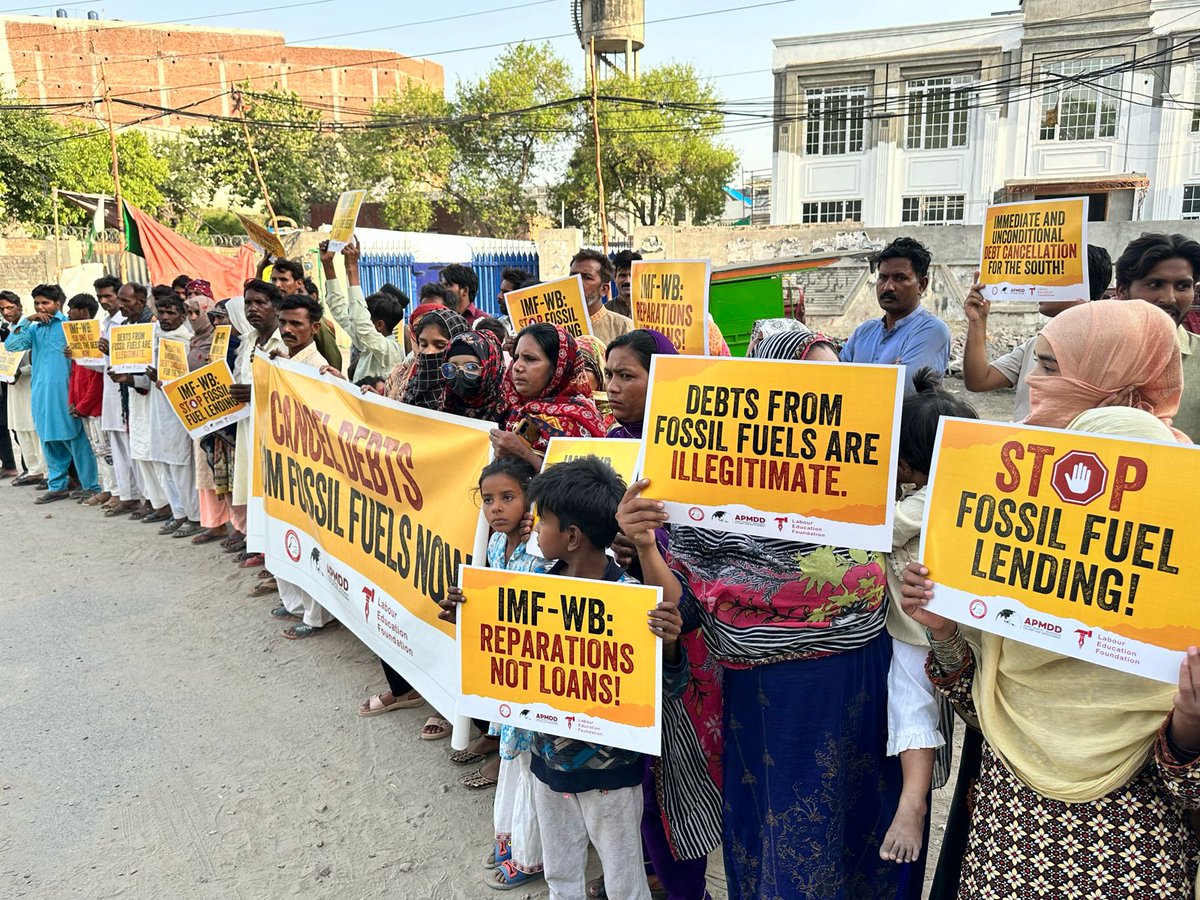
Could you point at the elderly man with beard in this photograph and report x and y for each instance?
(299, 319)
(907, 334)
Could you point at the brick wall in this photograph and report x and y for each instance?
(58, 60)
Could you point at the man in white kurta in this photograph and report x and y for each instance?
(112, 422)
(299, 319)
(20, 405)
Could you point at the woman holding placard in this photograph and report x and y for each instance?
(1083, 791)
(798, 630)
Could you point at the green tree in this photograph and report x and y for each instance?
(87, 164)
(497, 156)
(660, 155)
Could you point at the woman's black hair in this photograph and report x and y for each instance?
(492, 325)
(546, 336)
(920, 415)
(639, 343)
(514, 467)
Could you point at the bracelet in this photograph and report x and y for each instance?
(950, 654)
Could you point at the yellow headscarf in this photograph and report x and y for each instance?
(1071, 730)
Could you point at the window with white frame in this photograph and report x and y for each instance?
(1082, 99)
(834, 118)
(933, 209)
(831, 211)
(938, 112)
(1191, 201)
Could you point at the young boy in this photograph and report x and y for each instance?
(85, 397)
(587, 792)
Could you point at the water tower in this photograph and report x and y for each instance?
(618, 27)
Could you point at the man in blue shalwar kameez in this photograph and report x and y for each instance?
(63, 438)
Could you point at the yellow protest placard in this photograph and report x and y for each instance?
(1073, 542)
(220, 342)
(131, 348)
(345, 217)
(559, 302)
(1035, 251)
(804, 451)
(262, 238)
(172, 360)
(10, 362)
(671, 296)
(203, 401)
(368, 507)
(83, 340)
(561, 656)
(620, 453)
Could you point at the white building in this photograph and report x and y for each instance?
(929, 124)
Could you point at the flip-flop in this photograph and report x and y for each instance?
(443, 726)
(373, 706)
(206, 537)
(506, 877)
(477, 780)
(263, 588)
(468, 757)
(187, 529)
(51, 497)
(235, 546)
(297, 632)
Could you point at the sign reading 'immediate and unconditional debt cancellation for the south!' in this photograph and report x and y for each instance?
(671, 297)
(1035, 250)
(1077, 543)
(368, 506)
(561, 656)
(559, 302)
(799, 450)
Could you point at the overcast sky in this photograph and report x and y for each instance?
(727, 42)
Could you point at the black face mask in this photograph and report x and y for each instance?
(465, 384)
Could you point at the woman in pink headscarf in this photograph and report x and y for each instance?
(214, 453)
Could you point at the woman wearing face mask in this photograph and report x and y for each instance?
(474, 373)
(418, 382)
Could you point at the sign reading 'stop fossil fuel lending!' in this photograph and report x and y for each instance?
(1035, 251)
(1077, 543)
(804, 451)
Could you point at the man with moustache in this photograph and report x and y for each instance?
(299, 319)
(1163, 269)
(113, 412)
(907, 334)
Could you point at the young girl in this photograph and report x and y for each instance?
(516, 857)
(913, 707)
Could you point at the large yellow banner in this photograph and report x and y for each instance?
(559, 302)
(671, 296)
(368, 507)
(131, 348)
(804, 451)
(561, 656)
(1077, 543)
(203, 400)
(83, 341)
(1035, 250)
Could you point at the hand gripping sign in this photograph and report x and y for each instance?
(1074, 542)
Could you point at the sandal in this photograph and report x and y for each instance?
(467, 757)
(281, 612)
(235, 545)
(507, 876)
(595, 891)
(296, 632)
(51, 496)
(151, 517)
(207, 537)
(26, 480)
(251, 561)
(374, 705)
(263, 588)
(171, 527)
(187, 529)
(477, 780)
(442, 729)
(500, 853)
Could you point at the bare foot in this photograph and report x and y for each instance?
(902, 843)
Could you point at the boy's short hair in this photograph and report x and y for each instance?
(291, 266)
(84, 301)
(582, 492)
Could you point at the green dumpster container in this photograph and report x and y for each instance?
(737, 303)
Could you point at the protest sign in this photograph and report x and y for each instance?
(203, 401)
(219, 348)
(1074, 542)
(367, 506)
(131, 348)
(10, 361)
(262, 238)
(83, 340)
(737, 445)
(172, 360)
(671, 296)
(1035, 251)
(620, 453)
(561, 656)
(345, 217)
(559, 302)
